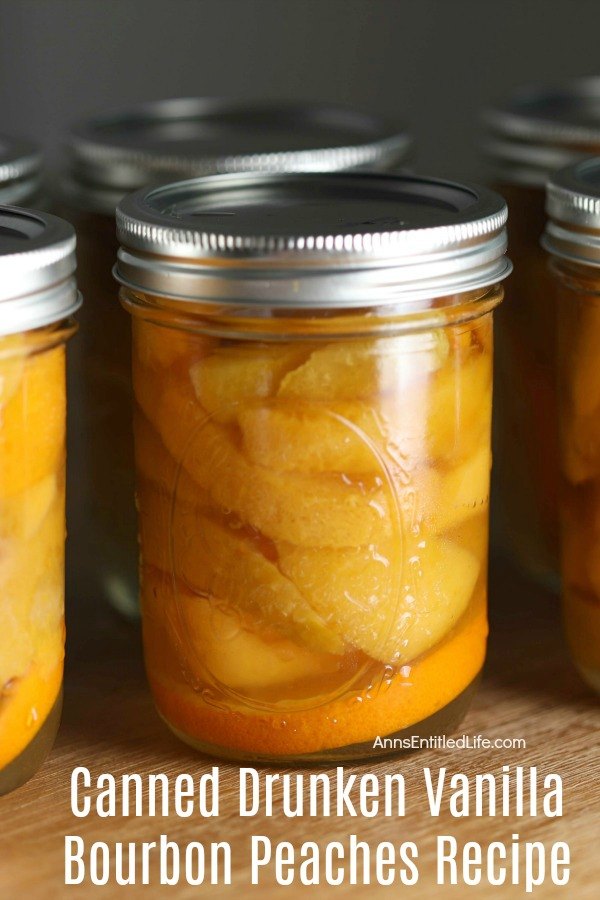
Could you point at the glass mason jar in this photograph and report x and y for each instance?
(116, 154)
(37, 298)
(312, 365)
(572, 238)
(537, 132)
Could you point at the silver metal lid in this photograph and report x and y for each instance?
(37, 262)
(20, 170)
(573, 205)
(542, 129)
(322, 240)
(173, 139)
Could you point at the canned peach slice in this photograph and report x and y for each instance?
(216, 559)
(458, 413)
(353, 370)
(391, 601)
(584, 385)
(19, 652)
(301, 509)
(294, 507)
(27, 562)
(12, 364)
(286, 506)
(229, 376)
(346, 438)
(22, 516)
(227, 644)
(169, 348)
(27, 455)
(450, 496)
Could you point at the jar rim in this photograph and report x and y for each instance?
(118, 152)
(573, 207)
(542, 128)
(302, 240)
(37, 262)
(20, 170)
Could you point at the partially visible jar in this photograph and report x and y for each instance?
(572, 237)
(38, 296)
(539, 130)
(20, 173)
(112, 155)
(312, 368)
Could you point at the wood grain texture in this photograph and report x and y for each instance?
(529, 690)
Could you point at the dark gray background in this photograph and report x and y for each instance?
(430, 63)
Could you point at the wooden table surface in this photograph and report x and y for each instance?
(529, 690)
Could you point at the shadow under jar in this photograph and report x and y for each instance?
(538, 131)
(37, 298)
(312, 368)
(115, 154)
(572, 238)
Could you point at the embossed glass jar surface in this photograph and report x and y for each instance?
(312, 436)
(37, 297)
(572, 238)
(538, 131)
(110, 156)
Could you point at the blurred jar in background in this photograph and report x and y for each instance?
(312, 370)
(37, 299)
(20, 173)
(536, 132)
(572, 237)
(111, 156)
